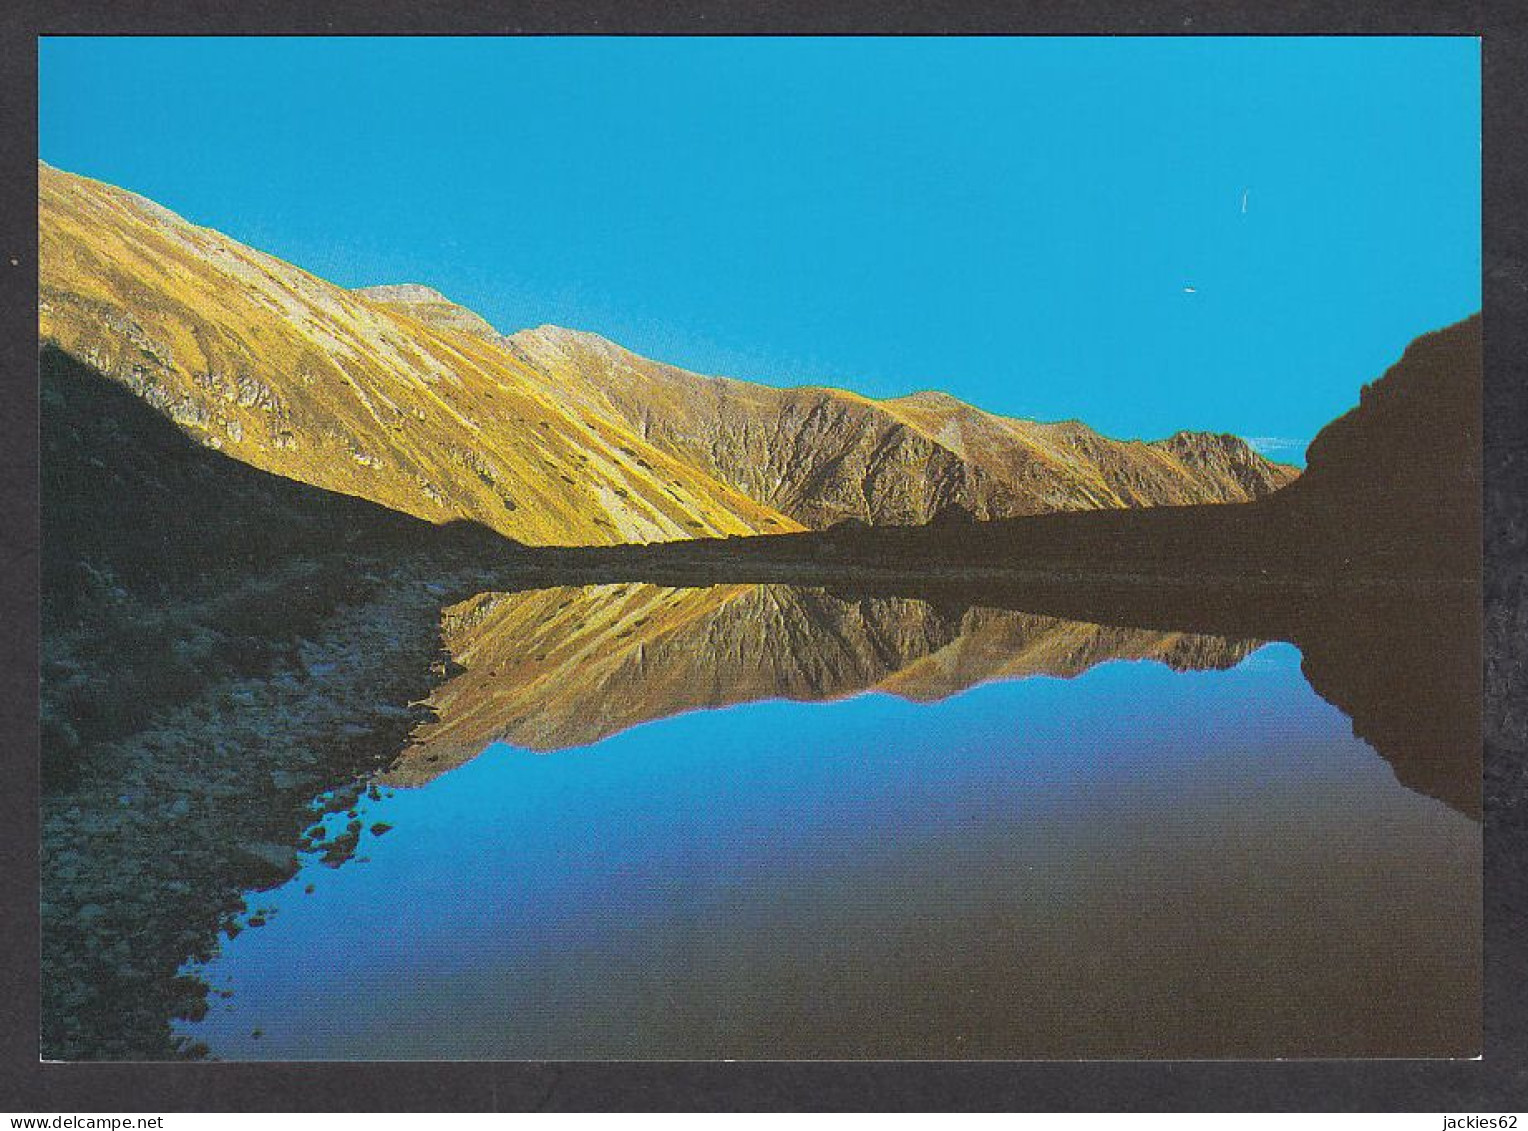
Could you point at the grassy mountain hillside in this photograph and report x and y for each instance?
(821, 455)
(290, 374)
(397, 395)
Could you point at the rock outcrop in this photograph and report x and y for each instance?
(429, 306)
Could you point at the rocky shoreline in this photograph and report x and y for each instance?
(148, 855)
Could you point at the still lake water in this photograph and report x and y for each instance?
(1133, 861)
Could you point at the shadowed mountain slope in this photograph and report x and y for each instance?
(295, 376)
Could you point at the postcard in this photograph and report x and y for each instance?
(581, 548)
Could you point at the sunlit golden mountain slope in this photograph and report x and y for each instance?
(821, 455)
(298, 377)
(553, 668)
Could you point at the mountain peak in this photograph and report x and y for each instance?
(934, 398)
(562, 345)
(1205, 444)
(401, 293)
(565, 335)
(430, 307)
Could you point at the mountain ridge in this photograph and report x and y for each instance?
(430, 303)
(396, 394)
(898, 461)
(1189, 466)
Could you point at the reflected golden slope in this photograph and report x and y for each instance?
(997, 644)
(293, 375)
(556, 668)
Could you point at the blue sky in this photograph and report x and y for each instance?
(1015, 221)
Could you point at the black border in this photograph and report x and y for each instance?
(1498, 1082)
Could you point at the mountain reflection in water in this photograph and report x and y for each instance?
(554, 668)
(1194, 857)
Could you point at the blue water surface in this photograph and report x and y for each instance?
(1133, 862)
